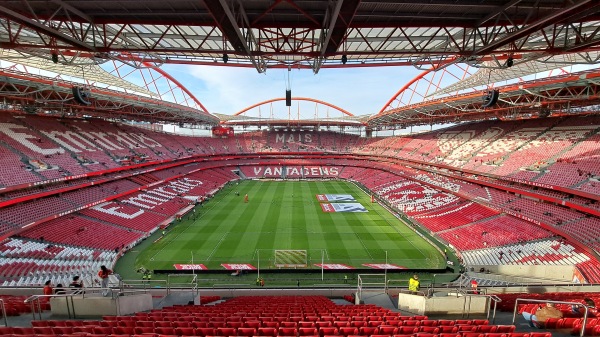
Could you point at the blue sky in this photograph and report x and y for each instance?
(227, 90)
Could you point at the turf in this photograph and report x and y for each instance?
(287, 215)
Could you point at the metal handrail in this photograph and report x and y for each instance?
(494, 299)
(585, 307)
(3, 309)
(468, 294)
(144, 284)
(35, 301)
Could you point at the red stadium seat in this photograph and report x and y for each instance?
(271, 325)
(358, 324)
(388, 330)
(287, 331)
(368, 330)
(348, 330)
(43, 330)
(471, 334)
(495, 334)
(265, 331)
(445, 322)
(429, 329)
(62, 330)
(308, 331)
(407, 330)
(320, 324)
(411, 322)
(448, 329)
(448, 334)
(429, 322)
(328, 330)
(205, 331)
(486, 328)
(188, 331)
(305, 324)
(505, 328)
(246, 332)
(105, 330)
(140, 330)
(252, 324)
(6, 330)
(147, 324)
(226, 331)
(165, 330)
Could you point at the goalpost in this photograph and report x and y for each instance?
(286, 258)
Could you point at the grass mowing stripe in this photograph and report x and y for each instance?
(287, 215)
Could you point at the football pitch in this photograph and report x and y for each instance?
(287, 215)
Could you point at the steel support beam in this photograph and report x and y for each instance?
(33, 24)
(239, 36)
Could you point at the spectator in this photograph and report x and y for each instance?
(104, 273)
(474, 285)
(590, 304)
(48, 291)
(414, 284)
(77, 284)
(542, 315)
(59, 290)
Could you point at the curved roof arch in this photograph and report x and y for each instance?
(294, 99)
(302, 111)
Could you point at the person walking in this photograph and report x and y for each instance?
(104, 273)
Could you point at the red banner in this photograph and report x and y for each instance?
(238, 266)
(190, 267)
(383, 266)
(334, 266)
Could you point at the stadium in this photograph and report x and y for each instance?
(294, 216)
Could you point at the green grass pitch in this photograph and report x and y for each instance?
(287, 215)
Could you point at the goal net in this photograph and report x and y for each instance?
(285, 258)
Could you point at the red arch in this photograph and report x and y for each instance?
(172, 79)
(434, 67)
(406, 86)
(294, 99)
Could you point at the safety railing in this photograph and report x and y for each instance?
(577, 304)
(36, 303)
(143, 285)
(193, 284)
(490, 299)
(3, 311)
(467, 296)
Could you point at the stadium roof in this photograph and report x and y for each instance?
(298, 33)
